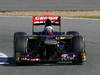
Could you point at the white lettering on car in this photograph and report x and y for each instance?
(43, 18)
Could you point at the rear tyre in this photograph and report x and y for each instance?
(20, 46)
(78, 44)
(73, 33)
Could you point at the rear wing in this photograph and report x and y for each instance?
(40, 20)
(55, 20)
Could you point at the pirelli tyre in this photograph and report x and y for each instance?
(20, 45)
(78, 44)
(73, 33)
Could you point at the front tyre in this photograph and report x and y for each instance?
(20, 45)
(78, 45)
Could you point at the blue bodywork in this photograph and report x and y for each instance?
(55, 33)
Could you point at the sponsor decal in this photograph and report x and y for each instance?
(38, 20)
(28, 59)
(44, 18)
(67, 57)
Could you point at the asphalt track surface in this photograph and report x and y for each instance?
(90, 29)
(11, 5)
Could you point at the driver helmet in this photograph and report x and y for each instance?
(49, 30)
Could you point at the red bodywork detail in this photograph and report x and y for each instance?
(50, 33)
(42, 19)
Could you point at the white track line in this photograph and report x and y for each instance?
(62, 17)
(80, 18)
(18, 16)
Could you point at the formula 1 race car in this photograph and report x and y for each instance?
(48, 45)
